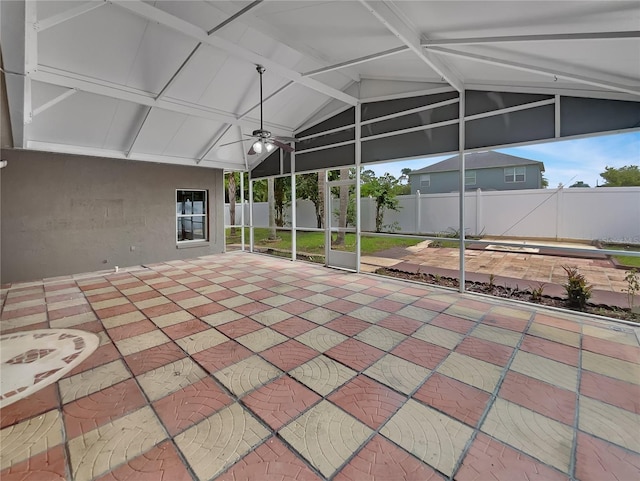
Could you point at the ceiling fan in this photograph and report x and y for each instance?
(265, 140)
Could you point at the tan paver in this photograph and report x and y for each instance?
(322, 374)
(167, 320)
(404, 376)
(497, 334)
(609, 422)
(247, 375)
(417, 313)
(276, 301)
(235, 301)
(220, 440)
(141, 342)
(123, 319)
(436, 439)
(465, 312)
(535, 434)
(222, 317)
(622, 337)
(321, 339)
(554, 334)
(201, 341)
(270, 316)
(547, 370)
(381, 337)
(193, 302)
(439, 336)
(123, 439)
(320, 315)
(510, 312)
(154, 301)
(369, 314)
(93, 380)
(24, 321)
(261, 339)
(167, 379)
(118, 301)
(71, 321)
(608, 366)
(326, 436)
(475, 372)
(31, 437)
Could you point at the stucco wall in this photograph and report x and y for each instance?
(64, 214)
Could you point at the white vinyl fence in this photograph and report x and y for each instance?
(611, 213)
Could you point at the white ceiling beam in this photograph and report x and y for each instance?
(156, 15)
(137, 135)
(216, 138)
(66, 79)
(74, 12)
(357, 61)
(556, 74)
(532, 38)
(407, 35)
(118, 154)
(54, 101)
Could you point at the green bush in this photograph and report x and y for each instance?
(578, 290)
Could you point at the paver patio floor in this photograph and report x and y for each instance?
(246, 367)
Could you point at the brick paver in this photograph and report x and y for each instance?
(236, 367)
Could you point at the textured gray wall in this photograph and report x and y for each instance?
(486, 179)
(64, 214)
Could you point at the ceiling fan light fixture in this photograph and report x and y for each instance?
(257, 147)
(270, 147)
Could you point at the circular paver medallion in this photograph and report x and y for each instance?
(31, 360)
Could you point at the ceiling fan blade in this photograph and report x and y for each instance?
(285, 147)
(285, 139)
(251, 151)
(234, 142)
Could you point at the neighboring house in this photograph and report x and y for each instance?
(483, 170)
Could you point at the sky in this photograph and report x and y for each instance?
(565, 162)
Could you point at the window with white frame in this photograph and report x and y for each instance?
(425, 181)
(191, 215)
(514, 174)
(470, 177)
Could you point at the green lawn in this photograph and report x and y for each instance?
(313, 242)
(628, 261)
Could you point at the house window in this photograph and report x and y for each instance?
(470, 177)
(191, 215)
(514, 174)
(425, 181)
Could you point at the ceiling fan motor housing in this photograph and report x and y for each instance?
(263, 134)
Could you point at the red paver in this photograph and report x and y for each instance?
(293, 327)
(96, 285)
(612, 349)
(453, 323)
(239, 328)
(47, 466)
(186, 328)
(132, 329)
(485, 350)
(161, 463)
(543, 398)
(505, 322)
(252, 308)
(37, 403)
(342, 306)
(206, 309)
(259, 295)
(369, 401)
(116, 310)
(489, 459)
(473, 304)
(338, 292)
(296, 307)
(299, 293)
(190, 405)
(143, 361)
(289, 355)
(182, 295)
(551, 350)
(414, 291)
(280, 401)
(355, 354)
(401, 324)
(557, 322)
(432, 305)
(232, 283)
(94, 410)
(420, 352)
(380, 460)
(104, 297)
(102, 355)
(387, 305)
(161, 310)
(613, 391)
(349, 326)
(598, 460)
(197, 284)
(221, 295)
(457, 399)
(57, 313)
(30, 327)
(221, 356)
(27, 311)
(92, 326)
(143, 296)
(271, 461)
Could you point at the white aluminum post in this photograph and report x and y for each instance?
(242, 210)
(294, 223)
(250, 213)
(358, 159)
(418, 213)
(462, 185)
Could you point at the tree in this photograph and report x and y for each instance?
(272, 208)
(579, 184)
(282, 190)
(544, 182)
(404, 182)
(344, 205)
(626, 176)
(307, 189)
(231, 192)
(383, 190)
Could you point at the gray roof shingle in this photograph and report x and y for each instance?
(478, 160)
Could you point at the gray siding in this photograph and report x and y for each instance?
(64, 214)
(486, 179)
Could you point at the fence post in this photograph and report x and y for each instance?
(418, 213)
(559, 209)
(479, 219)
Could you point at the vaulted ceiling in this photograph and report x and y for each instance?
(171, 81)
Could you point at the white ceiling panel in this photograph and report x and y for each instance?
(126, 120)
(192, 138)
(42, 93)
(158, 131)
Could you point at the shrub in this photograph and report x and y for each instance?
(633, 286)
(536, 293)
(578, 290)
